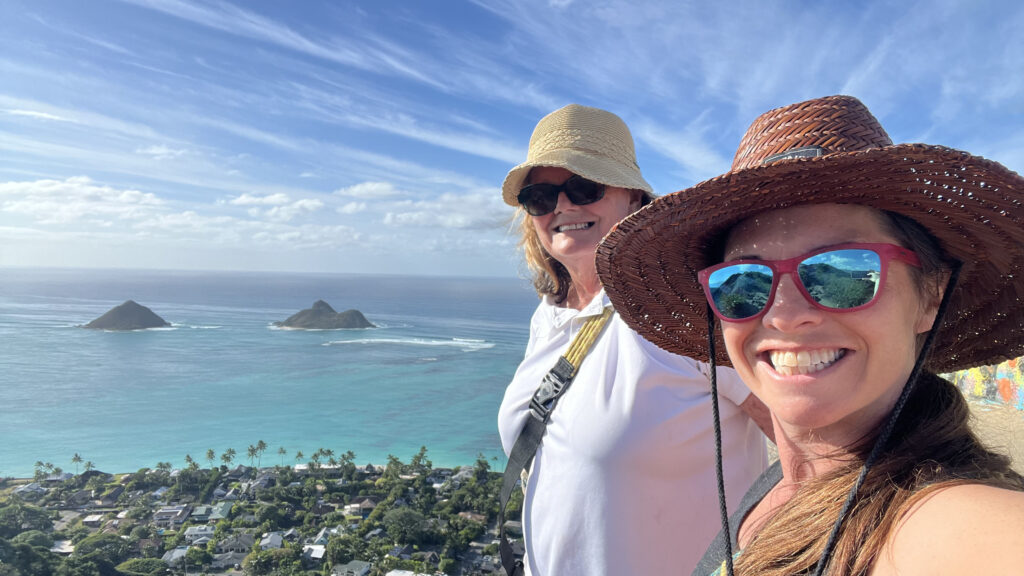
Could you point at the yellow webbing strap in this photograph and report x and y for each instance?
(583, 341)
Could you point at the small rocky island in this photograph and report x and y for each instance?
(128, 316)
(322, 317)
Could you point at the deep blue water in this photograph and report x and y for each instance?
(431, 374)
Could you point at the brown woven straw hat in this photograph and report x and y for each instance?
(591, 142)
(830, 150)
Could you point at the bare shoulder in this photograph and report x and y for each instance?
(964, 529)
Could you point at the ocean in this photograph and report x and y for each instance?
(222, 376)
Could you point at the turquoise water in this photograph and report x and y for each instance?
(222, 376)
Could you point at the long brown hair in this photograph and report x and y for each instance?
(932, 447)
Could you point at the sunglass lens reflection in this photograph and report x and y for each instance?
(838, 279)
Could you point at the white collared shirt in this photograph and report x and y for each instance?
(624, 479)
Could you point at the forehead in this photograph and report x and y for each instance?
(547, 174)
(788, 232)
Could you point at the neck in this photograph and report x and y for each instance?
(582, 290)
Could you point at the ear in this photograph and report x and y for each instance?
(930, 309)
(636, 199)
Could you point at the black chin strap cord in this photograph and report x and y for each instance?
(723, 509)
(890, 425)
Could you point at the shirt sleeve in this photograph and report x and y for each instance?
(730, 385)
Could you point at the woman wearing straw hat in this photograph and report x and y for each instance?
(623, 479)
(844, 273)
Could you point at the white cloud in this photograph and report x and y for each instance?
(36, 114)
(478, 211)
(74, 199)
(268, 200)
(161, 152)
(297, 208)
(352, 208)
(369, 190)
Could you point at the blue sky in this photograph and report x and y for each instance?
(372, 137)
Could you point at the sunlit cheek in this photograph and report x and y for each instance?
(735, 335)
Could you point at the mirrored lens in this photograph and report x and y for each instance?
(740, 291)
(842, 278)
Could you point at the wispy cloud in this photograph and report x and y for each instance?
(35, 114)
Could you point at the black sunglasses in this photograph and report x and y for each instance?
(541, 198)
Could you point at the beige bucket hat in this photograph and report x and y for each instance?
(591, 142)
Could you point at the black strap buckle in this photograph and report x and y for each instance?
(551, 389)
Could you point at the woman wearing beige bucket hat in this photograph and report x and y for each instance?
(844, 273)
(623, 479)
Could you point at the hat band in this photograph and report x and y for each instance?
(802, 152)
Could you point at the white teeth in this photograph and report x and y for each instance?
(570, 227)
(789, 363)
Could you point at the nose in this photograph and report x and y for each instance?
(790, 310)
(563, 202)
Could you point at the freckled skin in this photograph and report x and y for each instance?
(838, 405)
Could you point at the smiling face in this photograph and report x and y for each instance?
(836, 374)
(571, 233)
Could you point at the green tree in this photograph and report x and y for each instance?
(76, 460)
(34, 538)
(282, 453)
(89, 466)
(23, 559)
(17, 517)
(211, 457)
(261, 446)
(228, 456)
(110, 547)
(252, 453)
(143, 567)
(404, 525)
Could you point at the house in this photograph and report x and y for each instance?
(194, 533)
(30, 491)
(361, 507)
(324, 535)
(175, 557)
(241, 543)
(80, 498)
(220, 511)
(201, 514)
(271, 540)
(479, 518)
(375, 533)
(111, 496)
(405, 573)
(239, 472)
(430, 557)
(353, 568)
(159, 492)
(171, 516)
(227, 560)
(313, 554)
(93, 520)
(63, 547)
(291, 535)
(58, 478)
(401, 552)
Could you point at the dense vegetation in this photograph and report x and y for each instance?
(401, 519)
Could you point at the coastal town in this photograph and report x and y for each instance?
(322, 515)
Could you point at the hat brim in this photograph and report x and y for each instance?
(649, 262)
(592, 167)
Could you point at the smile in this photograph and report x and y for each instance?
(789, 363)
(571, 227)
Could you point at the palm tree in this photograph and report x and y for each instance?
(76, 459)
(252, 454)
(299, 456)
(89, 466)
(260, 447)
(282, 453)
(228, 456)
(211, 456)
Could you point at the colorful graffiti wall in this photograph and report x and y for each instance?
(1002, 383)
